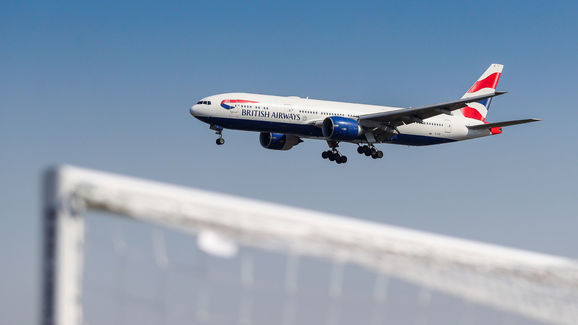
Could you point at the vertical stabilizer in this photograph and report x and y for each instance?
(486, 84)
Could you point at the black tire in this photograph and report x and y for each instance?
(325, 155)
(360, 150)
(379, 154)
(343, 159)
(373, 151)
(220, 141)
(332, 156)
(367, 150)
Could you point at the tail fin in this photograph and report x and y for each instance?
(486, 84)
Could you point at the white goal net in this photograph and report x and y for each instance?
(120, 250)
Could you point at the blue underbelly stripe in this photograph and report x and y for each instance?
(264, 126)
(418, 140)
(310, 130)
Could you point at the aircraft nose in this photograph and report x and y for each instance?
(194, 110)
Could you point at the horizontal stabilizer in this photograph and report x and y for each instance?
(501, 124)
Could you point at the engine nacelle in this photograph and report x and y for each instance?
(341, 128)
(278, 141)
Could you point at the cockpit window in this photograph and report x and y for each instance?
(204, 102)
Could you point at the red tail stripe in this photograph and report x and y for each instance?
(472, 113)
(495, 130)
(490, 81)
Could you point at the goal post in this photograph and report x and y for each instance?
(537, 286)
(62, 250)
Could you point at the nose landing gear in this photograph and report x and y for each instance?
(219, 131)
(333, 154)
(370, 150)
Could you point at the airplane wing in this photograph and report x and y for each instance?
(501, 124)
(417, 114)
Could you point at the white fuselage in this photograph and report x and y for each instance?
(302, 117)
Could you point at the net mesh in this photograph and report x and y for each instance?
(136, 273)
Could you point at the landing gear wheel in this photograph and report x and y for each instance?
(360, 149)
(366, 150)
(379, 154)
(333, 154)
(219, 131)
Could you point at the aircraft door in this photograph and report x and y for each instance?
(447, 126)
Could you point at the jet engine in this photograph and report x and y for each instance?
(278, 141)
(341, 128)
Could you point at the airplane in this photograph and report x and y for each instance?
(284, 121)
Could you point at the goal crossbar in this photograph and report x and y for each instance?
(537, 286)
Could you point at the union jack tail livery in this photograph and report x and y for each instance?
(485, 85)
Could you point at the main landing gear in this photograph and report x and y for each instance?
(333, 154)
(369, 150)
(220, 141)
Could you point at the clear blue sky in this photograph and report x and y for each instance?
(108, 86)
